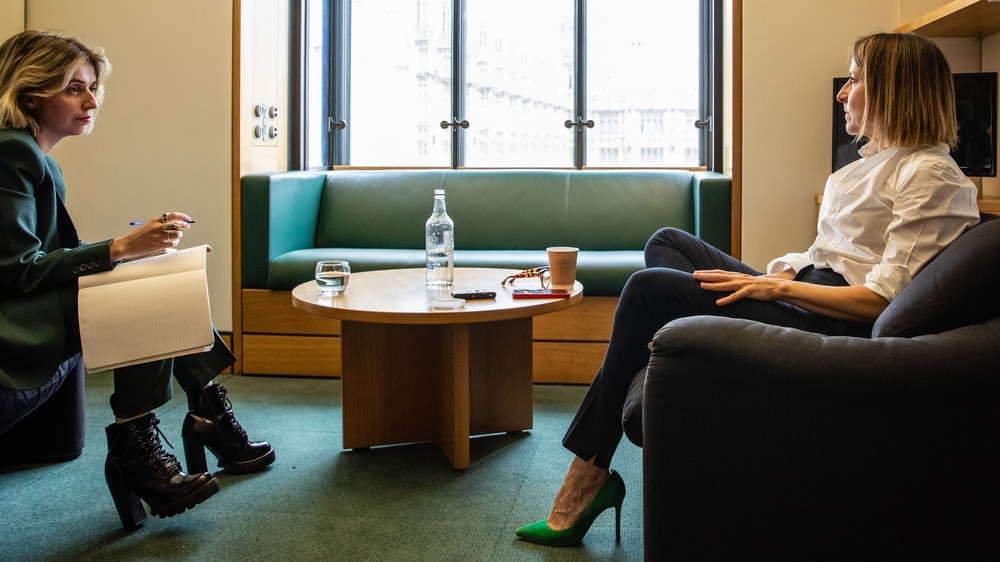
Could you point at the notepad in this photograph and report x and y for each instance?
(145, 310)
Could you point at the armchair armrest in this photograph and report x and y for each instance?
(771, 440)
(279, 213)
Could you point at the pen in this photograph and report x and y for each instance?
(140, 223)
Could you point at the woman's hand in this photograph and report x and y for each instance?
(150, 237)
(856, 304)
(740, 285)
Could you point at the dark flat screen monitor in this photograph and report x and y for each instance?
(976, 109)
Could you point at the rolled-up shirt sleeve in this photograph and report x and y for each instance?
(795, 261)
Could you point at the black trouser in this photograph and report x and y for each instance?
(147, 386)
(138, 388)
(653, 297)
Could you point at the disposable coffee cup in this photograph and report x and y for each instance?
(562, 266)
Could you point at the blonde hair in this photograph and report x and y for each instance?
(40, 63)
(909, 91)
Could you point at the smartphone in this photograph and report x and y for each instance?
(475, 294)
(540, 293)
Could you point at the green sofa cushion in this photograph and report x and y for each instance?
(609, 211)
(503, 218)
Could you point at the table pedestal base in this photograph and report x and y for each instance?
(443, 383)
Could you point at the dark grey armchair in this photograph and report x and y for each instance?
(767, 442)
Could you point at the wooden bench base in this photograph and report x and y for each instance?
(278, 339)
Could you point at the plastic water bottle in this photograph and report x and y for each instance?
(440, 242)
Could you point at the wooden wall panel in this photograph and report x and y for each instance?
(304, 356)
(271, 312)
(567, 363)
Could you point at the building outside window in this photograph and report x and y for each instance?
(518, 83)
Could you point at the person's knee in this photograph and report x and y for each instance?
(654, 280)
(665, 242)
(666, 236)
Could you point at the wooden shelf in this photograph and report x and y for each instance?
(961, 18)
(989, 204)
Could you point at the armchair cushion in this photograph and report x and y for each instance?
(792, 445)
(632, 411)
(958, 288)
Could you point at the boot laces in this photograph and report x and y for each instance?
(164, 462)
(227, 405)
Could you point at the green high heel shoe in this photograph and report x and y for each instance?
(611, 494)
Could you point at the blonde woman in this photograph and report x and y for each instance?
(51, 88)
(883, 219)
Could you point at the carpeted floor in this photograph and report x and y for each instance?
(318, 501)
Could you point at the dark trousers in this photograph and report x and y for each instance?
(662, 292)
(138, 388)
(147, 386)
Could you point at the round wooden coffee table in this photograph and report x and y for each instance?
(413, 372)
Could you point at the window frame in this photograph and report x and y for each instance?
(336, 89)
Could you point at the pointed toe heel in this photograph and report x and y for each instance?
(611, 495)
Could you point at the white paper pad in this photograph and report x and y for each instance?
(144, 310)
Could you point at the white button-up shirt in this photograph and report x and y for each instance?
(884, 217)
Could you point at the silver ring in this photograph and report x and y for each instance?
(167, 236)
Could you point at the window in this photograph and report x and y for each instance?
(517, 83)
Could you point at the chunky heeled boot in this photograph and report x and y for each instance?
(211, 424)
(138, 468)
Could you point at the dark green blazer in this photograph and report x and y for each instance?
(41, 258)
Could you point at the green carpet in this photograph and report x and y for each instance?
(318, 501)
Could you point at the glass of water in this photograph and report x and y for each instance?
(332, 277)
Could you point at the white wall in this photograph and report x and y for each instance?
(162, 140)
(791, 53)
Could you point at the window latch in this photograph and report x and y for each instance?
(705, 123)
(332, 125)
(455, 123)
(589, 123)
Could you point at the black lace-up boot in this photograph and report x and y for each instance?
(210, 424)
(138, 468)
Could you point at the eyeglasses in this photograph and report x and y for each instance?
(542, 273)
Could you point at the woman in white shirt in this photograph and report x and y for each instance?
(883, 219)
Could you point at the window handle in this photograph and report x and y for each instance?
(705, 123)
(331, 125)
(455, 123)
(589, 123)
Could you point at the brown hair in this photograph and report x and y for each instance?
(39, 63)
(909, 91)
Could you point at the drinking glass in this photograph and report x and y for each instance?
(332, 277)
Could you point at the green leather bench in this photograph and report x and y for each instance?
(503, 218)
